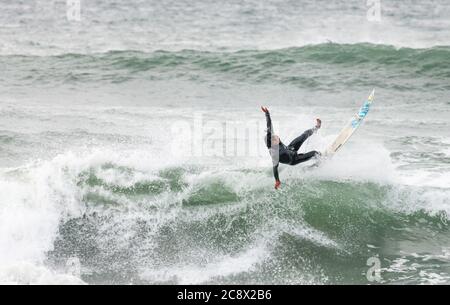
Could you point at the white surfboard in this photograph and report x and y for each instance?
(350, 128)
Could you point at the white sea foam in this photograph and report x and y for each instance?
(408, 267)
(218, 267)
(26, 273)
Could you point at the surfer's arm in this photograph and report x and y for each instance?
(276, 176)
(269, 146)
(269, 127)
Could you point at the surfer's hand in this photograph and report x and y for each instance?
(277, 184)
(264, 109)
(318, 123)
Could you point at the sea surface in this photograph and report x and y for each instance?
(132, 151)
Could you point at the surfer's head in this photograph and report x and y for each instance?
(275, 139)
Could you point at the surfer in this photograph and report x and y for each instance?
(281, 153)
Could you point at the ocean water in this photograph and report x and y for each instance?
(131, 142)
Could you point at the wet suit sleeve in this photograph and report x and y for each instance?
(275, 173)
(269, 130)
(269, 145)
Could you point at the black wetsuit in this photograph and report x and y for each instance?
(287, 154)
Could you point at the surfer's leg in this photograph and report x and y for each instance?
(297, 142)
(299, 158)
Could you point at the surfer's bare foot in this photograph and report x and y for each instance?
(319, 123)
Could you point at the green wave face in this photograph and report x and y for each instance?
(319, 67)
(313, 231)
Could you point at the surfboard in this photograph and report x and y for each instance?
(350, 128)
